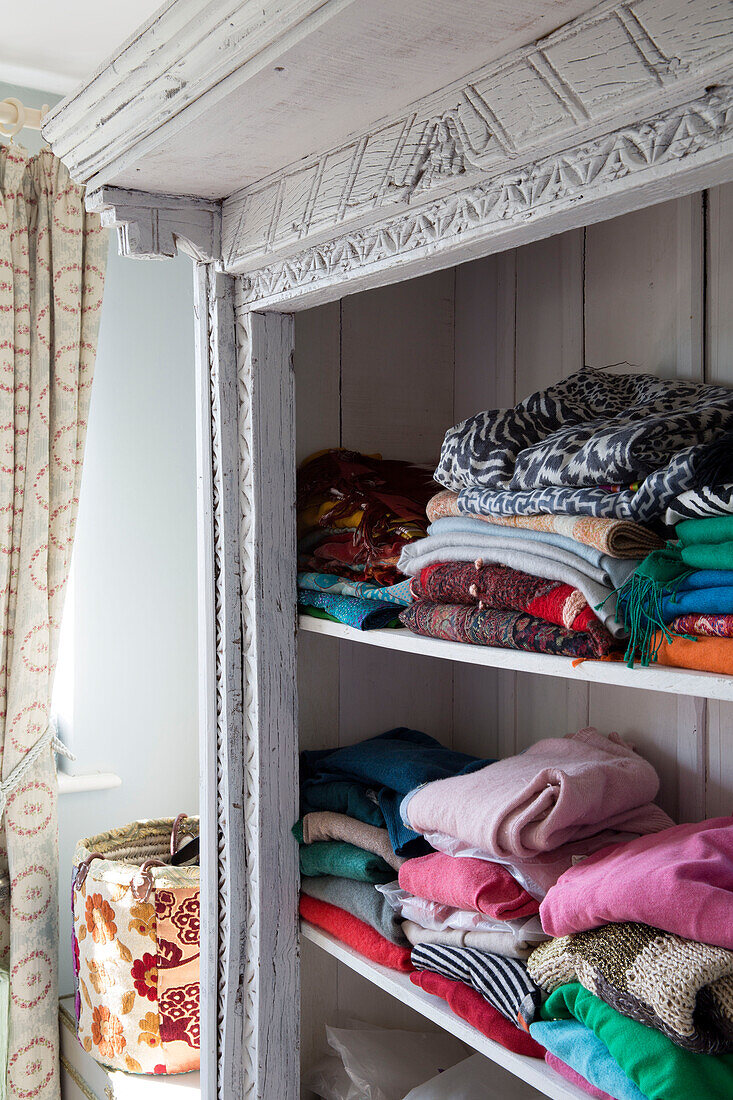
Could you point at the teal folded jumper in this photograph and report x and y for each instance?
(339, 858)
(661, 1070)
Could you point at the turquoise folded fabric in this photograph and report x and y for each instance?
(584, 1052)
(659, 1069)
(398, 594)
(360, 613)
(704, 592)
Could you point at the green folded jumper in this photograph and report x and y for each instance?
(659, 1068)
(706, 543)
(337, 857)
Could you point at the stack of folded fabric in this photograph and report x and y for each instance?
(504, 835)
(678, 604)
(570, 488)
(641, 974)
(352, 839)
(355, 514)
(472, 925)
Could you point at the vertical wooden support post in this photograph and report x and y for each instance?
(224, 887)
(267, 511)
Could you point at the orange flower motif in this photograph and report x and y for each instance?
(100, 919)
(99, 976)
(149, 1026)
(107, 1032)
(143, 919)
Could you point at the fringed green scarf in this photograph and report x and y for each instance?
(640, 602)
(703, 544)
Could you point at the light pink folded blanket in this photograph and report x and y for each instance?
(680, 880)
(559, 791)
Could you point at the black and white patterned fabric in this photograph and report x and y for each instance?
(501, 981)
(581, 446)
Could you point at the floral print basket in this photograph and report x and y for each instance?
(135, 942)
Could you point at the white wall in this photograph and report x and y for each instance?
(132, 611)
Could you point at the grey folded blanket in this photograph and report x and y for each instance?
(361, 900)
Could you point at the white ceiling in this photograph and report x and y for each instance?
(53, 45)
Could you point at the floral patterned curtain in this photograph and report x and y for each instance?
(52, 262)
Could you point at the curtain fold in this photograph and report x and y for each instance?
(52, 264)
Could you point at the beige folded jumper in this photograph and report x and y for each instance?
(327, 825)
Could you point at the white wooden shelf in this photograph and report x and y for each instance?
(674, 681)
(532, 1070)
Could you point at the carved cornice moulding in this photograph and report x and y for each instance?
(660, 156)
(606, 70)
(182, 62)
(152, 227)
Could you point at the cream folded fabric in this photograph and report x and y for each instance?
(498, 943)
(327, 825)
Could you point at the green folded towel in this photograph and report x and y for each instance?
(659, 1068)
(337, 857)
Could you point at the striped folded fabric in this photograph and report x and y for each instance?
(501, 981)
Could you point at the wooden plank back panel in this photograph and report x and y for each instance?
(644, 307)
(484, 700)
(397, 368)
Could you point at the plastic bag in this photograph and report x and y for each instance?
(383, 1063)
(329, 1080)
(475, 1079)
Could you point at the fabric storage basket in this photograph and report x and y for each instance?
(135, 943)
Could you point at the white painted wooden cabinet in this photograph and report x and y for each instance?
(401, 214)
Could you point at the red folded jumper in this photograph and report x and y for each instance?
(471, 1007)
(467, 883)
(355, 933)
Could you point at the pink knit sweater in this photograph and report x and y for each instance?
(559, 791)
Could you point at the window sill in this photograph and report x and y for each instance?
(79, 784)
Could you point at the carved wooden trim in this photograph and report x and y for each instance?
(153, 226)
(623, 170)
(267, 513)
(621, 62)
(224, 882)
(208, 663)
(187, 58)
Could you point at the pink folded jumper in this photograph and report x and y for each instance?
(575, 1078)
(559, 791)
(466, 883)
(542, 870)
(680, 880)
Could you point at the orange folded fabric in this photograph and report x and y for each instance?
(355, 933)
(704, 654)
